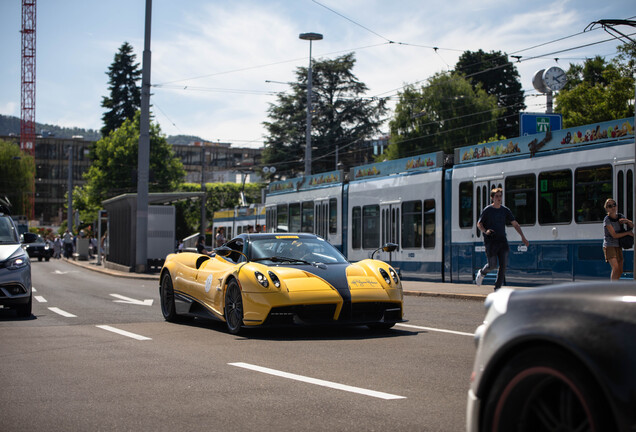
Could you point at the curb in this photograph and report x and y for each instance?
(478, 297)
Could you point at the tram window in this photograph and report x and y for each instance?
(333, 216)
(412, 224)
(371, 227)
(466, 205)
(630, 195)
(307, 216)
(356, 228)
(429, 224)
(520, 198)
(282, 222)
(555, 197)
(592, 186)
(294, 217)
(620, 191)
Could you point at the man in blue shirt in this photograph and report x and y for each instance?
(492, 222)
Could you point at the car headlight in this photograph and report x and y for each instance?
(386, 277)
(394, 276)
(496, 305)
(17, 262)
(46, 246)
(274, 279)
(260, 277)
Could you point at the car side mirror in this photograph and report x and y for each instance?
(29, 238)
(387, 247)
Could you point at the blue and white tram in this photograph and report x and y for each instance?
(238, 220)
(556, 185)
(311, 204)
(399, 201)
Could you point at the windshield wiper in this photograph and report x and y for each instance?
(290, 260)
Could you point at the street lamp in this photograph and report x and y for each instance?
(310, 37)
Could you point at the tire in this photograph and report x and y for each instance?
(24, 311)
(40, 259)
(545, 389)
(233, 308)
(166, 293)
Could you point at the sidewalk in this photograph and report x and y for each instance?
(411, 288)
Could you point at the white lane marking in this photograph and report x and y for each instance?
(40, 299)
(319, 382)
(128, 300)
(33, 289)
(437, 330)
(123, 332)
(61, 312)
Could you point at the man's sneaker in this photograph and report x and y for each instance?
(479, 279)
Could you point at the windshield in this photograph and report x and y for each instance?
(312, 250)
(7, 232)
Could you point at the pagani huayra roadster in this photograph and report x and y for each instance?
(280, 279)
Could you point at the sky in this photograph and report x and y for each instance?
(218, 64)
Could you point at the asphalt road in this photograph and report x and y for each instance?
(64, 370)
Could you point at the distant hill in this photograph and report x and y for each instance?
(10, 125)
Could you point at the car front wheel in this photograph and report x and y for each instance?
(24, 311)
(167, 298)
(544, 389)
(233, 308)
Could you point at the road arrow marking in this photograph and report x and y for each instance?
(128, 300)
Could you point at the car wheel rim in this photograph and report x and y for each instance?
(167, 298)
(234, 308)
(542, 398)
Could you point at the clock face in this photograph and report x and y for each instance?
(554, 78)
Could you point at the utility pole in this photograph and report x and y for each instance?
(143, 160)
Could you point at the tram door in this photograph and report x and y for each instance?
(482, 199)
(390, 222)
(625, 190)
(321, 210)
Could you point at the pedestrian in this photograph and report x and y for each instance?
(612, 230)
(220, 237)
(201, 246)
(492, 222)
(67, 241)
(57, 247)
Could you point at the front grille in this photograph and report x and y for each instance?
(375, 311)
(301, 314)
(10, 290)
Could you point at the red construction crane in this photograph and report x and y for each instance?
(27, 117)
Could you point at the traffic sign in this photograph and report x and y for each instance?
(533, 123)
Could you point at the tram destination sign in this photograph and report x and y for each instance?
(595, 133)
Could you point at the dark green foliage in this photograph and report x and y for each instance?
(125, 94)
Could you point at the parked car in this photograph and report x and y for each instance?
(15, 269)
(280, 279)
(36, 246)
(559, 358)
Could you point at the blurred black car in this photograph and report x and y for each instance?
(15, 269)
(560, 358)
(36, 246)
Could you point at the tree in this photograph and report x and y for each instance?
(598, 91)
(114, 166)
(341, 117)
(444, 114)
(125, 94)
(500, 78)
(17, 173)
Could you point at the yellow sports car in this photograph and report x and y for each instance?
(280, 279)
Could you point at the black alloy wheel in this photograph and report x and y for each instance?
(545, 389)
(166, 292)
(233, 308)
